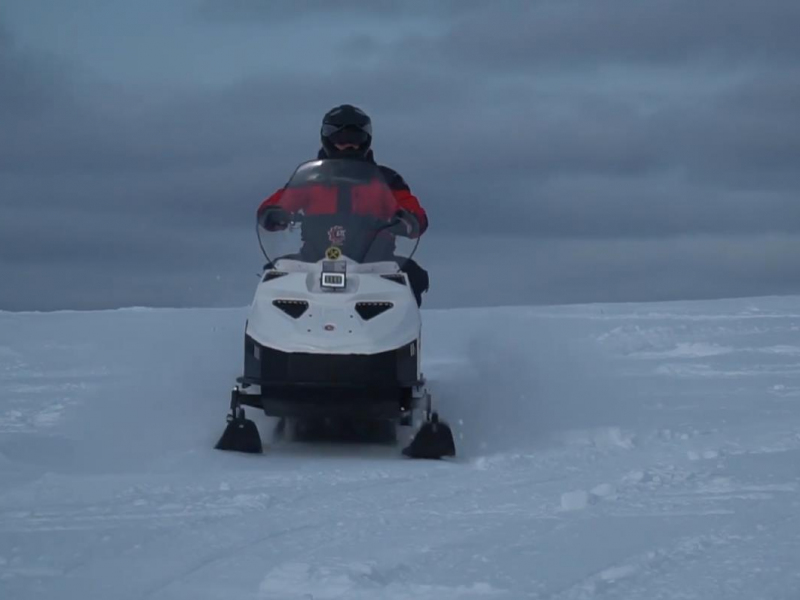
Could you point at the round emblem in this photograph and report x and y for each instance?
(337, 235)
(333, 253)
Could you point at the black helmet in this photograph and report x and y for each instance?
(346, 124)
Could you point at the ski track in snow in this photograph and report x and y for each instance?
(605, 451)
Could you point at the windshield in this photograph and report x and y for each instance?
(332, 209)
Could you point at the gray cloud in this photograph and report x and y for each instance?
(519, 34)
(517, 270)
(280, 11)
(26, 82)
(597, 140)
(601, 170)
(569, 33)
(255, 116)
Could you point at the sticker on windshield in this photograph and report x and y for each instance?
(333, 253)
(336, 235)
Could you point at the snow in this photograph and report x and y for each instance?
(605, 451)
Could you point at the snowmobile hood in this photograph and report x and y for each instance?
(373, 314)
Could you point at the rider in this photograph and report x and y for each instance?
(347, 133)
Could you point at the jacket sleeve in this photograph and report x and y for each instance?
(290, 200)
(273, 200)
(404, 198)
(409, 202)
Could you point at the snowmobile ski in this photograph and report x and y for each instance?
(241, 434)
(434, 440)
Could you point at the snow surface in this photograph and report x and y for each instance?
(606, 451)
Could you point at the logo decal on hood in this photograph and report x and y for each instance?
(337, 235)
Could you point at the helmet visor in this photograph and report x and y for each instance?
(329, 128)
(346, 135)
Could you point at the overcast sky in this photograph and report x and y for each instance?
(566, 150)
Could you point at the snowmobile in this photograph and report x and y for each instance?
(334, 329)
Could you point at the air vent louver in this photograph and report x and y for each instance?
(370, 310)
(293, 308)
(396, 277)
(269, 275)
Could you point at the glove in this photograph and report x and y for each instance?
(404, 224)
(275, 219)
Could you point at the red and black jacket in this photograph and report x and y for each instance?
(363, 201)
